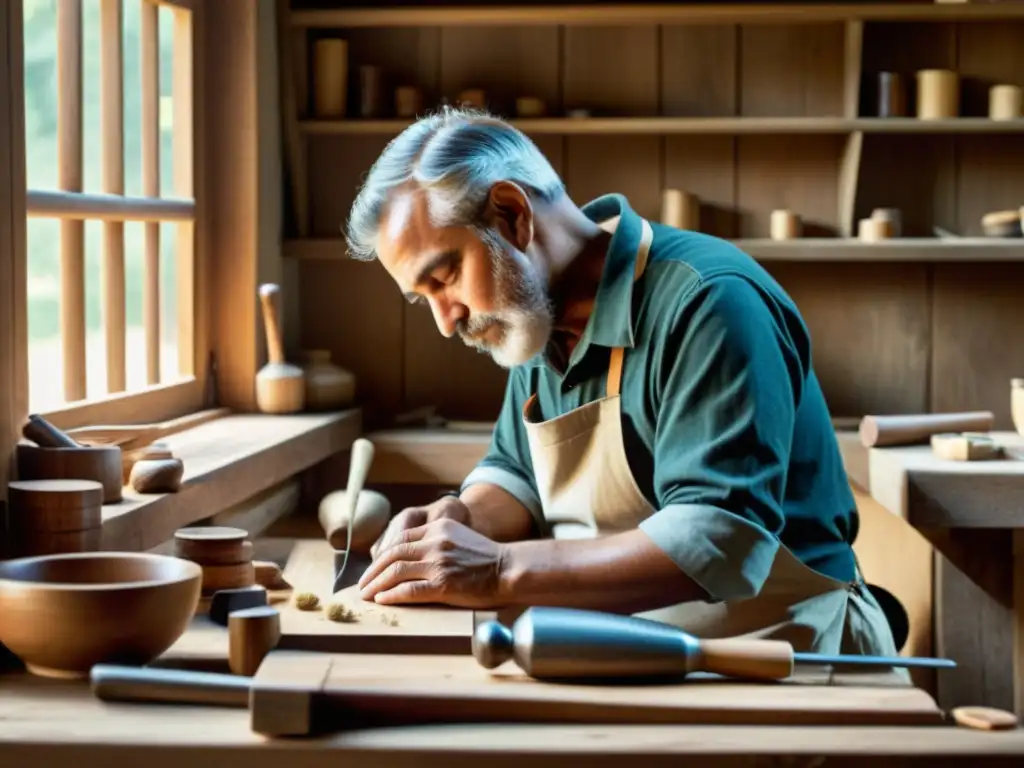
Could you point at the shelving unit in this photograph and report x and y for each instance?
(750, 108)
(730, 126)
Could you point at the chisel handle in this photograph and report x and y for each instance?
(742, 658)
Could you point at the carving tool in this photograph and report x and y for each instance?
(360, 459)
(559, 643)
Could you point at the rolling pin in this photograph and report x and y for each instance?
(562, 643)
(879, 431)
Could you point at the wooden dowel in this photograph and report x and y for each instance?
(183, 154)
(150, 67)
(75, 205)
(72, 233)
(112, 123)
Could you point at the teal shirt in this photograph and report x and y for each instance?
(727, 431)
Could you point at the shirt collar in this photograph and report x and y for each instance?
(611, 323)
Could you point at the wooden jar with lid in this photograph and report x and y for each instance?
(328, 386)
(50, 517)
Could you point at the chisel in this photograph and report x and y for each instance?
(559, 643)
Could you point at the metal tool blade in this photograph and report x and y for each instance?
(872, 661)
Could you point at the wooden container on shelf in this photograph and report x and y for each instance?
(530, 106)
(1005, 102)
(99, 463)
(680, 209)
(330, 75)
(371, 92)
(1017, 404)
(892, 95)
(873, 230)
(408, 101)
(328, 386)
(50, 517)
(785, 225)
(893, 216)
(938, 94)
(473, 98)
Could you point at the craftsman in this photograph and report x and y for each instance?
(663, 448)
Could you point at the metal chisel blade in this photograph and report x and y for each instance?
(872, 661)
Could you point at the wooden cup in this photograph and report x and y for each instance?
(330, 68)
(371, 92)
(1005, 102)
(892, 95)
(891, 215)
(680, 210)
(872, 230)
(530, 106)
(474, 98)
(938, 94)
(785, 225)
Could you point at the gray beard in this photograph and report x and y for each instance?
(524, 317)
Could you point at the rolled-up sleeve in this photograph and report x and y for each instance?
(726, 395)
(507, 462)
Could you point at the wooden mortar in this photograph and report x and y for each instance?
(280, 386)
(99, 463)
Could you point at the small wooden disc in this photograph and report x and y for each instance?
(984, 718)
(55, 494)
(218, 577)
(212, 544)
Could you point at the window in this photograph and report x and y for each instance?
(111, 239)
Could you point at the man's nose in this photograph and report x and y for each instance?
(447, 314)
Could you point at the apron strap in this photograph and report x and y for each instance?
(615, 362)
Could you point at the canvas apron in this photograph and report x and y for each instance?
(586, 489)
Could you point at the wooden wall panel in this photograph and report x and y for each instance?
(705, 166)
(612, 70)
(635, 173)
(870, 332)
(796, 172)
(698, 70)
(506, 61)
(790, 70)
(916, 174)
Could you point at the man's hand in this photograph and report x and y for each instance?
(445, 508)
(441, 561)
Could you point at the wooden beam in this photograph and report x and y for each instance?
(112, 125)
(183, 153)
(644, 14)
(82, 206)
(149, 39)
(69, 179)
(13, 315)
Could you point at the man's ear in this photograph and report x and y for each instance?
(509, 209)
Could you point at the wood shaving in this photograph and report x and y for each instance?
(342, 613)
(391, 621)
(307, 601)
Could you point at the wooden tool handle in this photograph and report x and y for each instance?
(112, 682)
(878, 431)
(751, 659)
(45, 435)
(269, 298)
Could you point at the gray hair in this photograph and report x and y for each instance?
(456, 155)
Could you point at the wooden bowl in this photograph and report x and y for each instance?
(60, 614)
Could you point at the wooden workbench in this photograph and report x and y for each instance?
(46, 722)
(973, 512)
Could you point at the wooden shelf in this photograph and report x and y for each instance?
(629, 14)
(569, 126)
(227, 461)
(907, 249)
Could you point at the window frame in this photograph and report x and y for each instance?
(184, 393)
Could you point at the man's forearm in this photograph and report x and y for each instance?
(497, 514)
(624, 573)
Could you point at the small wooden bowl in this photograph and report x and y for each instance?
(60, 614)
(101, 463)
